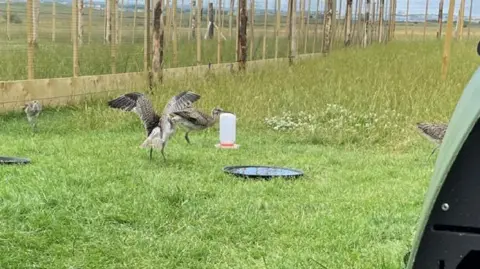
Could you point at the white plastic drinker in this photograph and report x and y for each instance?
(227, 130)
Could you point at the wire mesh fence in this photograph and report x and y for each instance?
(51, 39)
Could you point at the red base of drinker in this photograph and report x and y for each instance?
(227, 146)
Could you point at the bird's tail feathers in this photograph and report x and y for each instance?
(154, 140)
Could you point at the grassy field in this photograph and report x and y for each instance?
(92, 199)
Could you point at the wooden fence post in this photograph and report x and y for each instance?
(316, 27)
(219, 29)
(193, 19)
(174, 34)
(461, 17)
(181, 15)
(31, 44)
(348, 23)
(242, 35)
(36, 19)
(358, 19)
(333, 24)
(291, 30)
(146, 41)
(8, 18)
(198, 23)
(264, 50)
(90, 10)
(80, 22)
(134, 21)
(470, 19)
(211, 20)
(75, 37)
(116, 24)
(230, 18)
(339, 19)
(108, 22)
(406, 18)
(54, 17)
(367, 24)
(307, 27)
(327, 32)
(448, 40)
(425, 21)
(157, 59)
(113, 41)
(302, 16)
(222, 15)
(120, 30)
(394, 22)
(372, 21)
(252, 28)
(440, 19)
(380, 20)
(166, 23)
(237, 42)
(391, 20)
(277, 26)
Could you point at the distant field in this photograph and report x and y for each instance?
(54, 58)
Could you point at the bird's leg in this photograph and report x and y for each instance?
(151, 151)
(186, 138)
(433, 151)
(163, 154)
(35, 128)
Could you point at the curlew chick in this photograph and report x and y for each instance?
(194, 120)
(159, 128)
(434, 132)
(32, 110)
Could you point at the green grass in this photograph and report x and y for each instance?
(92, 199)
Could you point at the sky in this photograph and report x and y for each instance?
(415, 6)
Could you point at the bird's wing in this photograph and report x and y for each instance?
(140, 104)
(433, 132)
(180, 101)
(126, 102)
(192, 115)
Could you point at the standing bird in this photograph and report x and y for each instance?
(434, 132)
(158, 128)
(33, 109)
(195, 120)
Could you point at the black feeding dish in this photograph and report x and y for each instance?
(13, 160)
(266, 172)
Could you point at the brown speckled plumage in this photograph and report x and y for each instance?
(194, 120)
(434, 132)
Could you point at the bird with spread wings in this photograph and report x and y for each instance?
(159, 128)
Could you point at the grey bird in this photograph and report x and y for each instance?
(434, 132)
(32, 110)
(159, 128)
(192, 119)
